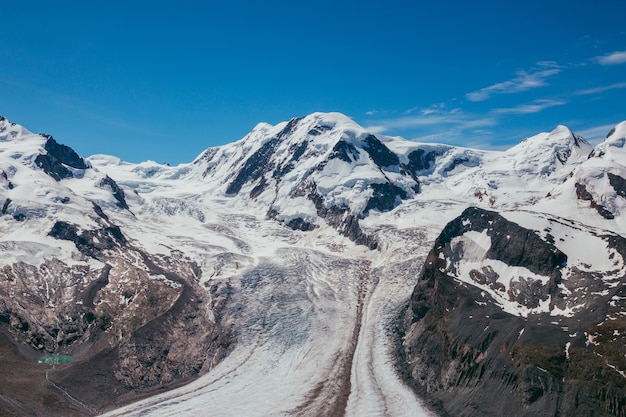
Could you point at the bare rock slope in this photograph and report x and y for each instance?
(516, 314)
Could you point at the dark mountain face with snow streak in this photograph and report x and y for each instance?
(267, 276)
(322, 168)
(520, 313)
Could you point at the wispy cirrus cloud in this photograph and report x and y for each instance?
(618, 57)
(432, 117)
(600, 89)
(521, 82)
(596, 134)
(529, 108)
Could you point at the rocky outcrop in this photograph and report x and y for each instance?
(89, 242)
(136, 325)
(583, 194)
(57, 160)
(116, 190)
(255, 167)
(340, 218)
(469, 356)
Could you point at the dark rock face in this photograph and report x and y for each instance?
(344, 151)
(58, 158)
(471, 358)
(64, 154)
(511, 243)
(386, 196)
(380, 154)
(421, 161)
(583, 194)
(5, 206)
(464, 160)
(5, 177)
(89, 242)
(118, 193)
(296, 151)
(618, 183)
(256, 166)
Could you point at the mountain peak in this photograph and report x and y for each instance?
(561, 135)
(11, 131)
(612, 148)
(618, 131)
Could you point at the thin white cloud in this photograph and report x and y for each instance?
(615, 58)
(476, 139)
(596, 134)
(600, 89)
(522, 82)
(534, 107)
(432, 118)
(377, 128)
(549, 64)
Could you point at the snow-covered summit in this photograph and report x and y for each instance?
(43, 182)
(550, 153)
(320, 166)
(595, 189)
(612, 148)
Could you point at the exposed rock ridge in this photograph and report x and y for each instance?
(474, 359)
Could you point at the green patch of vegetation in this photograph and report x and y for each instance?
(56, 359)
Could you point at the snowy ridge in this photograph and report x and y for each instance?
(324, 168)
(33, 200)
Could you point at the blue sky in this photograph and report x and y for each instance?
(164, 80)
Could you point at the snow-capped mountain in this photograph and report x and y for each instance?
(596, 190)
(272, 275)
(325, 169)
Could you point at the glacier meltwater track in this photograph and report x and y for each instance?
(313, 338)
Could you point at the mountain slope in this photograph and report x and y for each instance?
(596, 189)
(512, 316)
(73, 283)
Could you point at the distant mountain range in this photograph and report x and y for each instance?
(315, 268)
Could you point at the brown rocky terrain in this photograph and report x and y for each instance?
(471, 358)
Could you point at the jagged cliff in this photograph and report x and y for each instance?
(514, 315)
